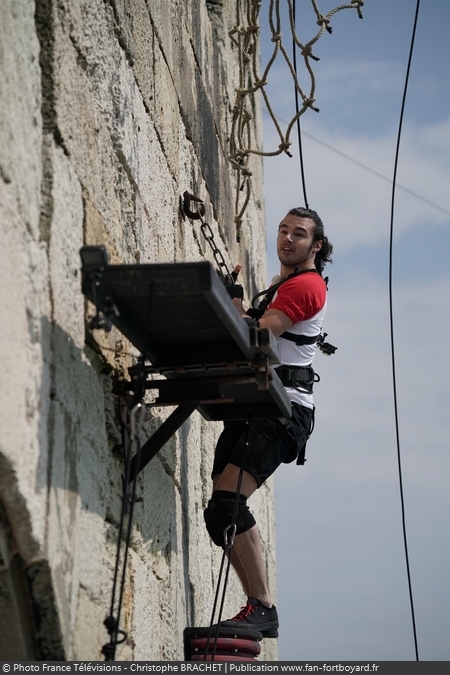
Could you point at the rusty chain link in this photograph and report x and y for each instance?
(207, 232)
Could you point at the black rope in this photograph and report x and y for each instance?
(226, 549)
(297, 109)
(112, 622)
(391, 315)
(128, 500)
(131, 502)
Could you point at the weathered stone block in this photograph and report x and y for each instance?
(20, 108)
(113, 109)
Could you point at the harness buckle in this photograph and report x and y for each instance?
(297, 376)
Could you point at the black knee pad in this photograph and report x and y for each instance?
(215, 534)
(219, 514)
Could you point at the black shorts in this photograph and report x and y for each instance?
(270, 443)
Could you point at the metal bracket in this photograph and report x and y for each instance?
(160, 437)
(194, 215)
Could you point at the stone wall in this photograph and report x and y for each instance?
(110, 109)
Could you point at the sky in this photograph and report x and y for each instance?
(342, 580)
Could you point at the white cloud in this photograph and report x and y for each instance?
(342, 578)
(354, 203)
(339, 521)
(342, 78)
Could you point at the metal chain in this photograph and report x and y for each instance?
(186, 203)
(217, 253)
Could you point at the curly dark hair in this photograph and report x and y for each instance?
(323, 255)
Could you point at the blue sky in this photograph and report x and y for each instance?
(342, 586)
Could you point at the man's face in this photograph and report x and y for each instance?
(295, 245)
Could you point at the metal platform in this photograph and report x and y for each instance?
(182, 320)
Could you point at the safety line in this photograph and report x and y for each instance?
(130, 441)
(391, 317)
(112, 622)
(135, 440)
(375, 172)
(297, 109)
(366, 168)
(228, 546)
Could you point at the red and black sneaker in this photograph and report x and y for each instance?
(255, 616)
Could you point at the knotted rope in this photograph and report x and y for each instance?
(245, 36)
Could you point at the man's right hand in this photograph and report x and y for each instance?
(235, 290)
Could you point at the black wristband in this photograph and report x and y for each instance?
(254, 313)
(235, 290)
(251, 322)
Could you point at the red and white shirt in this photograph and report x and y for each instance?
(303, 299)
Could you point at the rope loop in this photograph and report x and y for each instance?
(241, 30)
(285, 145)
(245, 37)
(323, 20)
(308, 102)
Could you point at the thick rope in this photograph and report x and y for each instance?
(245, 36)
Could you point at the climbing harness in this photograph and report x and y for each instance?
(302, 377)
(325, 347)
(257, 311)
